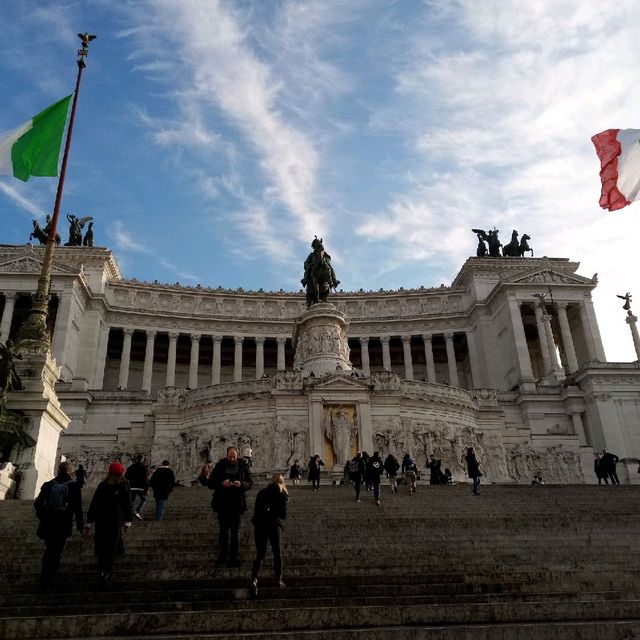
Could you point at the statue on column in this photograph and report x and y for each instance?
(627, 301)
(319, 277)
(9, 379)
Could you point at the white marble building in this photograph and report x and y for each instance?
(180, 372)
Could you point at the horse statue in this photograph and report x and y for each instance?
(513, 248)
(319, 277)
(491, 239)
(524, 246)
(42, 233)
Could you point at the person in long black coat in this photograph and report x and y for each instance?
(434, 469)
(608, 462)
(473, 469)
(111, 511)
(230, 480)
(56, 520)
(269, 514)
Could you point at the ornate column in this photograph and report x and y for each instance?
(215, 362)
(101, 358)
(281, 361)
(147, 372)
(631, 321)
(567, 340)
(476, 379)
(542, 337)
(237, 359)
(427, 338)
(451, 360)
(125, 358)
(171, 361)
(7, 315)
(61, 333)
(556, 370)
(588, 335)
(578, 427)
(386, 356)
(522, 350)
(364, 350)
(194, 361)
(595, 331)
(259, 358)
(408, 362)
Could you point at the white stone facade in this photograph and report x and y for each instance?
(180, 372)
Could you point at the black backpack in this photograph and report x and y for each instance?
(354, 467)
(262, 509)
(57, 498)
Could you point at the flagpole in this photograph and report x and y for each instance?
(34, 333)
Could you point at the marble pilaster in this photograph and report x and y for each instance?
(567, 340)
(631, 320)
(428, 355)
(237, 358)
(451, 360)
(281, 360)
(364, 350)
(125, 359)
(170, 380)
(194, 361)
(522, 349)
(7, 315)
(408, 362)
(386, 355)
(215, 362)
(147, 372)
(542, 338)
(259, 358)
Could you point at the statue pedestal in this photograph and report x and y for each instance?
(45, 421)
(320, 340)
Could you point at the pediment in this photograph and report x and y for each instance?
(31, 264)
(549, 276)
(337, 381)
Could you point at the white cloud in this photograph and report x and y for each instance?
(24, 203)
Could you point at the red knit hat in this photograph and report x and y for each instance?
(116, 469)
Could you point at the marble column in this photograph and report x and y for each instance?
(595, 331)
(588, 334)
(215, 362)
(474, 364)
(386, 356)
(237, 359)
(259, 358)
(631, 321)
(171, 360)
(567, 340)
(451, 360)
(61, 333)
(147, 371)
(364, 350)
(542, 337)
(578, 427)
(194, 361)
(125, 359)
(556, 371)
(281, 361)
(7, 315)
(101, 357)
(408, 362)
(428, 356)
(522, 349)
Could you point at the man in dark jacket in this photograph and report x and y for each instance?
(357, 469)
(608, 462)
(230, 480)
(138, 478)
(59, 501)
(391, 466)
(434, 469)
(162, 482)
(375, 467)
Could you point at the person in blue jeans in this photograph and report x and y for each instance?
(162, 481)
(473, 469)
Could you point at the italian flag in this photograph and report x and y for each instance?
(619, 153)
(34, 148)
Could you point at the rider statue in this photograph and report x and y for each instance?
(318, 261)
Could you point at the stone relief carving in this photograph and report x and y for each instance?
(555, 464)
(341, 430)
(288, 380)
(385, 380)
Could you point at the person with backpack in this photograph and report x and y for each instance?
(112, 513)
(138, 478)
(375, 468)
(356, 468)
(410, 472)
(391, 466)
(269, 514)
(230, 480)
(162, 481)
(313, 473)
(295, 473)
(57, 504)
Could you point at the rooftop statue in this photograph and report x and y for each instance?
(627, 301)
(75, 229)
(319, 277)
(513, 249)
(42, 233)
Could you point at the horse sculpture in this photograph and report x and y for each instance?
(513, 249)
(41, 234)
(319, 277)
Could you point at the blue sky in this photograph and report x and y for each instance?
(215, 138)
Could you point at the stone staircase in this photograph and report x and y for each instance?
(517, 562)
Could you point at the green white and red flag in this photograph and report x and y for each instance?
(33, 149)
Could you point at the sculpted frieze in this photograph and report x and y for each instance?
(554, 464)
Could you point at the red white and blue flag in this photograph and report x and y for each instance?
(619, 153)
